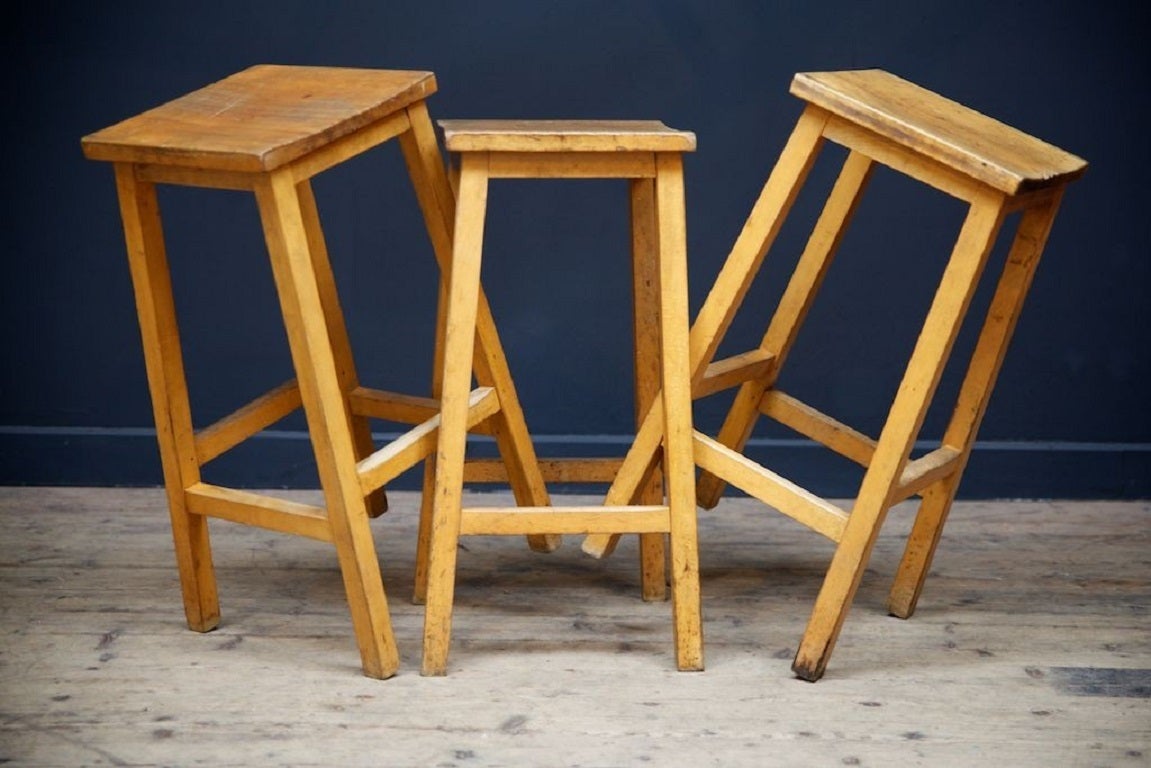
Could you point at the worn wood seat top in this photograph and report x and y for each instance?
(957, 136)
(564, 136)
(260, 118)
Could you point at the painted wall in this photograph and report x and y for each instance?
(1069, 417)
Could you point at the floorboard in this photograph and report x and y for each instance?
(1031, 647)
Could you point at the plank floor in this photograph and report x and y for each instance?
(1031, 647)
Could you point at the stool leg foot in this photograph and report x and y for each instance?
(326, 408)
(156, 311)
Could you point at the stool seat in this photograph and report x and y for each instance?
(964, 140)
(261, 118)
(564, 136)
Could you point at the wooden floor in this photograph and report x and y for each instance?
(1031, 647)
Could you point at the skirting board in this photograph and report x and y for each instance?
(125, 457)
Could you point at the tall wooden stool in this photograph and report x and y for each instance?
(650, 155)
(997, 170)
(269, 130)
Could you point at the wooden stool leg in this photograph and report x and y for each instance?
(899, 433)
(746, 258)
(325, 406)
(459, 342)
(156, 310)
(723, 301)
(428, 488)
(645, 324)
(793, 307)
(426, 168)
(679, 461)
(974, 396)
(338, 333)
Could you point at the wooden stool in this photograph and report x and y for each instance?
(994, 168)
(650, 155)
(269, 129)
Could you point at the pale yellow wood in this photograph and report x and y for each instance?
(633, 473)
(156, 311)
(974, 395)
(413, 446)
(899, 432)
(259, 510)
(895, 155)
(504, 521)
(562, 165)
(972, 144)
(567, 136)
(196, 177)
(597, 470)
(675, 364)
(331, 155)
(334, 320)
(392, 406)
(757, 481)
(265, 130)
(398, 407)
(725, 296)
(820, 427)
(925, 471)
(262, 118)
(646, 302)
(325, 406)
(436, 199)
(437, 203)
(758, 233)
(733, 371)
(491, 367)
(238, 426)
(793, 308)
(459, 339)
(324, 157)
(658, 239)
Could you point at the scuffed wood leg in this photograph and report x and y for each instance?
(459, 338)
(156, 311)
(646, 332)
(746, 258)
(438, 204)
(899, 433)
(338, 334)
(974, 395)
(325, 406)
(679, 462)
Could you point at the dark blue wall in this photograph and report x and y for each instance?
(1069, 417)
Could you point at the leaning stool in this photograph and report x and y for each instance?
(269, 130)
(649, 155)
(995, 169)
